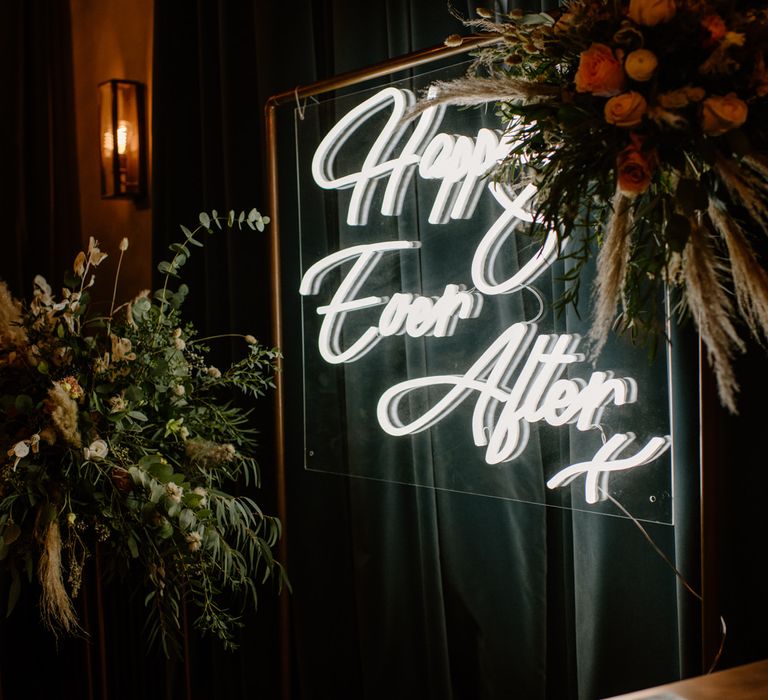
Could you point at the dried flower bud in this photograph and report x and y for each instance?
(250, 340)
(79, 266)
(453, 40)
(484, 12)
(194, 541)
(124, 244)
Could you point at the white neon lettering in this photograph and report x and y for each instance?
(534, 396)
(605, 461)
(487, 253)
(343, 301)
(459, 162)
(403, 313)
(517, 380)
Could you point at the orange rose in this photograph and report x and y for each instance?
(634, 170)
(641, 64)
(715, 25)
(721, 114)
(599, 72)
(625, 110)
(651, 12)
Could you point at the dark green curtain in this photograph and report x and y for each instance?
(38, 147)
(398, 591)
(41, 234)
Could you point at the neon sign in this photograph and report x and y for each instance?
(518, 380)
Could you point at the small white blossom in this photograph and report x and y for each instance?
(214, 372)
(179, 343)
(98, 449)
(184, 432)
(117, 404)
(174, 492)
(203, 493)
(124, 244)
(194, 541)
(19, 450)
(179, 390)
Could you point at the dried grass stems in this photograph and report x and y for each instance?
(473, 91)
(55, 605)
(612, 262)
(712, 311)
(750, 278)
(747, 186)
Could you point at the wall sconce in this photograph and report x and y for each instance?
(121, 120)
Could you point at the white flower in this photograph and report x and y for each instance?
(184, 432)
(214, 372)
(124, 244)
(179, 343)
(117, 404)
(179, 390)
(19, 450)
(174, 492)
(203, 493)
(95, 256)
(194, 541)
(98, 449)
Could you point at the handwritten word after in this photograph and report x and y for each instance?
(518, 380)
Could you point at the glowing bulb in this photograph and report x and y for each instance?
(123, 133)
(122, 137)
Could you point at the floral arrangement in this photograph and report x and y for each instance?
(123, 442)
(643, 125)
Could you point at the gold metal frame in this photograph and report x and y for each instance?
(709, 614)
(411, 60)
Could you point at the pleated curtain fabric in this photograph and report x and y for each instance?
(397, 591)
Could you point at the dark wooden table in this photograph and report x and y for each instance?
(748, 682)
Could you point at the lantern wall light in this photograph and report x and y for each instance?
(123, 147)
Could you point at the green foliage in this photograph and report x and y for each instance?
(118, 431)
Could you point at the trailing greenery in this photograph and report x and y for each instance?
(123, 441)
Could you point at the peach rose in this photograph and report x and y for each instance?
(641, 64)
(634, 170)
(599, 72)
(720, 114)
(715, 25)
(651, 12)
(625, 110)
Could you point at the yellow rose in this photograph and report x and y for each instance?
(720, 114)
(651, 12)
(625, 110)
(640, 65)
